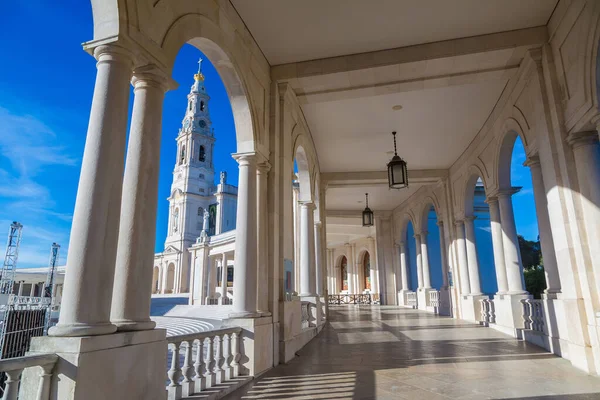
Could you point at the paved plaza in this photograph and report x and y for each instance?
(391, 353)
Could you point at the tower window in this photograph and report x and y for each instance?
(182, 155)
(190, 106)
(202, 156)
(200, 212)
(201, 176)
(201, 105)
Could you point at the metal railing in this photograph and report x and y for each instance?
(366, 298)
(14, 367)
(202, 360)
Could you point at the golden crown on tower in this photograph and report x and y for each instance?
(199, 76)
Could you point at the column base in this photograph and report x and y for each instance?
(129, 365)
(79, 330)
(471, 306)
(256, 341)
(129, 325)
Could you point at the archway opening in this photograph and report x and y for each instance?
(411, 257)
(434, 250)
(344, 274)
(366, 272)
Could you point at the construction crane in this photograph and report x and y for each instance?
(48, 287)
(7, 275)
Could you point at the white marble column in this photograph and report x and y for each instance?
(224, 275)
(20, 292)
(374, 266)
(498, 245)
(90, 268)
(444, 254)
(307, 250)
(587, 161)
(130, 308)
(349, 265)
(474, 281)
(463, 264)
(397, 267)
(512, 254)
(419, 261)
(545, 231)
(403, 267)
(318, 260)
(32, 290)
(244, 283)
(262, 256)
(425, 261)
(329, 274)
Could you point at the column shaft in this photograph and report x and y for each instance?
(444, 254)
(137, 232)
(498, 245)
(471, 244)
(425, 261)
(403, 266)
(307, 250)
(545, 231)
(318, 259)
(224, 275)
(244, 283)
(263, 245)
(512, 254)
(463, 264)
(94, 232)
(350, 263)
(419, 261)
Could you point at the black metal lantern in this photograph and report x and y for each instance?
(367, 214)
(397, 171)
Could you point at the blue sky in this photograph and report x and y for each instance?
(46, 87)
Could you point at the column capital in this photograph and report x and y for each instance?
(459, 222)
(440, 223)
(470, 218)
(113, 53)
(308, 205)
(424, 233)
(508, 192)
(580, 139)
(532, 161)
(263, 167)
(491, 199)
(417, 236)
(318, 224)
(245, 159)
(151, 76)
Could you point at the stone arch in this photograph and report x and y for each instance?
(429, 202)
(511, 130)
(339, 264)
(363, 253)
(202, 33)
(404, 220)
(474, 174)
(304, 175)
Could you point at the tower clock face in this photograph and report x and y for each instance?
(202, 124)
(186, 124)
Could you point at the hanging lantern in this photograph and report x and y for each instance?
(367, 214)
(397, 172)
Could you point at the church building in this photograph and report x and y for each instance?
(194, 196)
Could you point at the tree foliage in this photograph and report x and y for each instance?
(531, 256)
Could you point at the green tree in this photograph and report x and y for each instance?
(531, 256)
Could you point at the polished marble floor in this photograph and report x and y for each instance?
(373, 352)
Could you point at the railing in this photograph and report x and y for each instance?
(411, 299)
(218, 301)
(305, 309)
(533, 314)
(434, 298)
(488, 311)
(14, 367)
(209, 358)
(366, 298)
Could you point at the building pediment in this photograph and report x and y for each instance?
(171, 250)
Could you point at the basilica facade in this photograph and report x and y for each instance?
(197, 207)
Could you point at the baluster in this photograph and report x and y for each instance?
(11, 390)
(208, 363)
(492, 312)
(526, 313)
(227, 356)
(235, 354)
(174, 388)
(199, 380)
(187, 384)
(45, 379)
(218, 370)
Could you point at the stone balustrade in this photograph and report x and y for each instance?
(200, 361)
(363, 298)
(488, 312)
(411, 299)
(14, 367)
(434, 299)
(533, 314)
(305, 308)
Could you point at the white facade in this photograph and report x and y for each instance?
(193, 194)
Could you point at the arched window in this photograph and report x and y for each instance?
(190, 106)
(202, 156)
(182, 155)
(344, 269)
(367, 270)
(201, 105)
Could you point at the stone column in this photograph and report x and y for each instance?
(512, 254)
(425, 261)
(262, 288)
(130, 309)
(224, 275)
(498, 245)
(444, 254)
(349, 265)
(92, 249)
(397, 266)
(244, 283)
(374, 266)
(474, 282)
(32, 290)
(403, 267)
(463, 265)
(20, 292)
(587, 162)
(419, 260)
(329, 274)
(545, 231)
(307, 250)
(318, 259)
